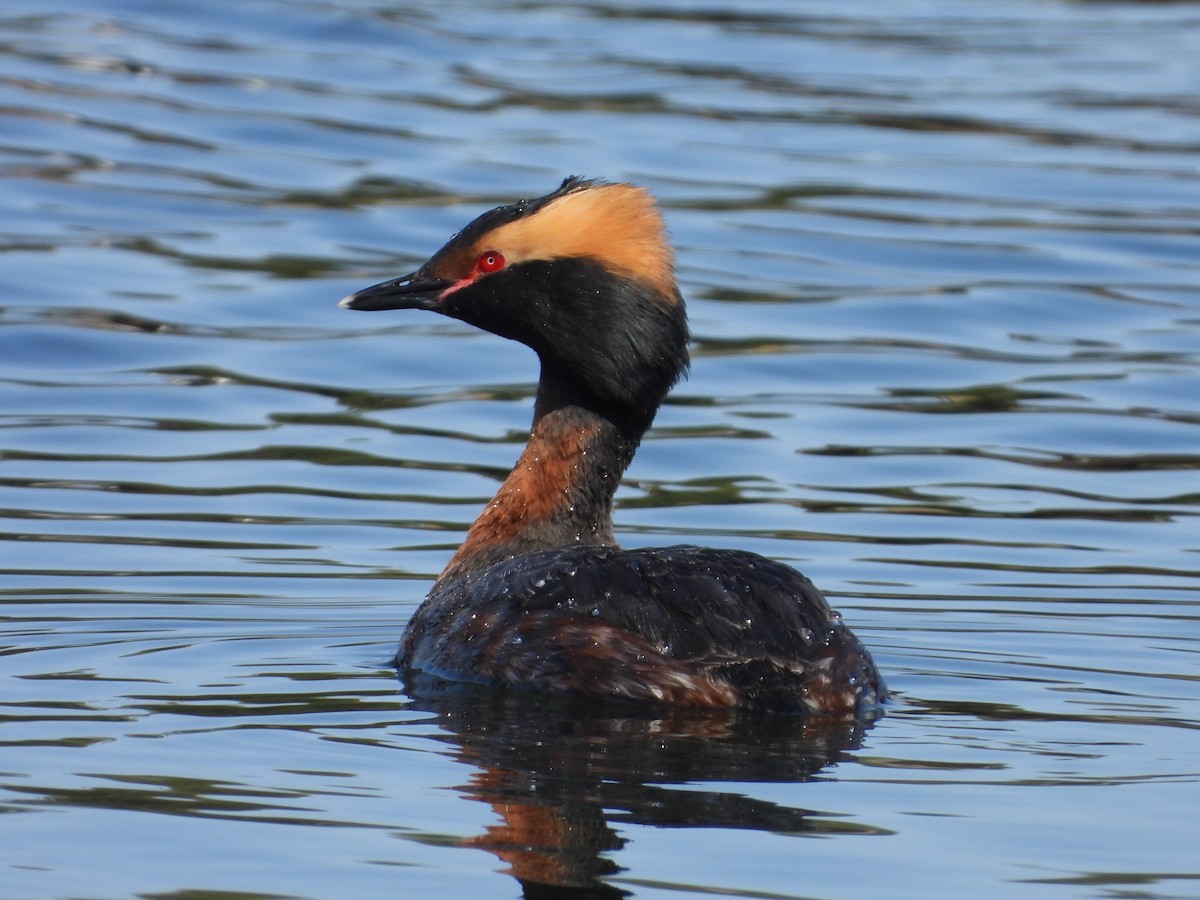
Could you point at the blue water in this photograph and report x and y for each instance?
(943, 270)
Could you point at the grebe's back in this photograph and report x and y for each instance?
(690, 626)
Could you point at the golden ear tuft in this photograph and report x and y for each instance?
(618, 225)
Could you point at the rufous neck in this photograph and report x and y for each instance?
(559, 494)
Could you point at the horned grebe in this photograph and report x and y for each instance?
(539, 596)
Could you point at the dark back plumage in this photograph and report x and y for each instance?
(753, 626)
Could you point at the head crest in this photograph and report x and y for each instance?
(616, 225)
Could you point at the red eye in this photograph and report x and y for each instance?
(490, 262)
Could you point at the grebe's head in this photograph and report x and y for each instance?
(584, 275)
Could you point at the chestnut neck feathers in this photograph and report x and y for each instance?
(585, 277)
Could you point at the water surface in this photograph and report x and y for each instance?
(942, 266)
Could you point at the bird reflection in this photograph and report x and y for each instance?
(563, 775)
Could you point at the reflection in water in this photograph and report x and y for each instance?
(562, 775)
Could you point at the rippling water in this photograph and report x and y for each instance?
(944, 278)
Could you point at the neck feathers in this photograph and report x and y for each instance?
(559, 494)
